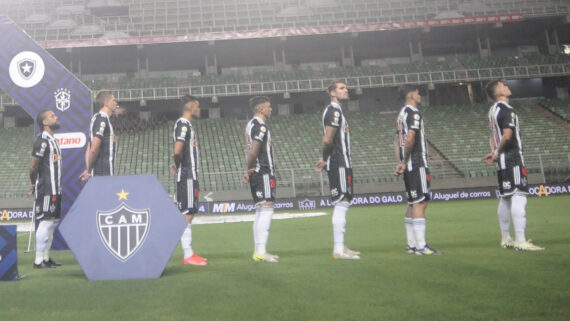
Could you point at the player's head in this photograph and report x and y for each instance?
(47, 118)
(410, 94)
(261, 105)
(106, 98)
(338, 91)
(190, 106)
(498, 88)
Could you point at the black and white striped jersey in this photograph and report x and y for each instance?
(256, 129)
(340, 155)
(185, 133)
(46, 148)
(101, 127)
(502, 116)
(410, 118)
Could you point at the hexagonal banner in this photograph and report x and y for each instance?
(123, 227)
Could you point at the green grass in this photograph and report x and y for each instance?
(474, 280)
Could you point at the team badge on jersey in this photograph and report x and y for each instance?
(123, 230)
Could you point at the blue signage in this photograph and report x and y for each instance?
(123, 227)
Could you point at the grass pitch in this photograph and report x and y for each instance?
(474, 280)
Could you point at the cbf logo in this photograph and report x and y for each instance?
(62, 98)
(26, 69)
(123, 230)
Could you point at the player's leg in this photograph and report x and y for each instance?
(341, 192)
(506, 189)
(56, 215)
(410, 236)
(504, 214)
(518, 211)
(42, 207)
(419, 184)
(263, 190)
(187, 194)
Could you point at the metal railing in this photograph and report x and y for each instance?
(310, 85)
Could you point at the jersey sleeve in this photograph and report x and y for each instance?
(258, 132)
(181, 131)
(506, 118)
(99, 127)
(414, 120)
(40, 146)
(332, 118)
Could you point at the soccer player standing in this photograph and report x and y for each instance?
(260, 175)
(411, 151)
(185, 167)
(45, 175)
(100, 154)
(337, 162)
(506, 152)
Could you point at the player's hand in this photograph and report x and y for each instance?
(32, 189)
(491, 158)
(321, 164)
(246, 178)
(400, 169)
(173, 169)
(84, 177)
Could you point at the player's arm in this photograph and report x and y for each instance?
(494, 156)
(401, 166)
(92, 153)
(408, 146)
(251, 158)
(34, 169)
(177, 156)
(507, 122)
(327, 147)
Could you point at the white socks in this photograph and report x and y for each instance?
(410, 232)
(419, 225)
(339, 226)
(518, 211)
(50, 239)
(514, 206)
(261, 227)
(186, 241)
(42, 240)
(504, 212)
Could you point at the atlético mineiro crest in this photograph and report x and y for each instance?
(62, 99)
(26, 68)
(123, 230)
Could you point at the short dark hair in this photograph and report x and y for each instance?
(101, 97)
(405, 90)
(40, 118)
(186, 99)
(333, 85)
(256, 101)
(492, 86)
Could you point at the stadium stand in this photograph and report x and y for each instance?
(77, 19)
(560, 107)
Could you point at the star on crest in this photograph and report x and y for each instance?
(123, 195)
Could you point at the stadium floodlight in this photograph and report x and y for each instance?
(214, 99)
(286, 95)
(431, 86)
(142, 102)
(358, 91)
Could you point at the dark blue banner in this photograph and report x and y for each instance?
(123, 227)
(8, 253)
(37, 81)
